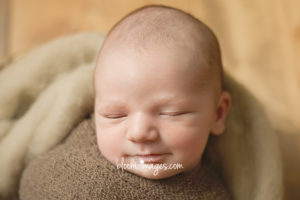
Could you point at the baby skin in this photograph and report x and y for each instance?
(158, 92)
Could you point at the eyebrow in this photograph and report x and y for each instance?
(171, 99)
(110, 102)
(160, 101)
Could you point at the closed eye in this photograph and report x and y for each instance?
(114, 116)
(173, 113)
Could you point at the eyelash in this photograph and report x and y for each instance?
(115, 116)
(118, 116)
(173, 113)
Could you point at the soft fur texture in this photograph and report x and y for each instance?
(46, 93)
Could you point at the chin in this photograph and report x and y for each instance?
(155, 175)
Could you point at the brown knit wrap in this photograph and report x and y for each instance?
(76, 169)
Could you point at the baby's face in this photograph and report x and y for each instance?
(149, 109)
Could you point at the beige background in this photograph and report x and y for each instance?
(260, 42)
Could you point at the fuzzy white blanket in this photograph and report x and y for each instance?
(48, 91)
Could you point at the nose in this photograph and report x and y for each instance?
(141, 129)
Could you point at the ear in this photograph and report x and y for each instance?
(221, 113)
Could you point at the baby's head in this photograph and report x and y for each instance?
(158, 87)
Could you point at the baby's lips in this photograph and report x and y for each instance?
(148, 158)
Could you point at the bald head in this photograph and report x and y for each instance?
(153, 26)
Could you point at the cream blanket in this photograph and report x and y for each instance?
(47, 92)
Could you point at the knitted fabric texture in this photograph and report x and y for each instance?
(76, 169)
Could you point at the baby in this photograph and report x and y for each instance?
(158, 96)
(158, 86)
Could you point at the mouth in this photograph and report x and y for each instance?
(149, 158)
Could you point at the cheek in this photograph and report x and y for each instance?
(110, 143)
(188, 138)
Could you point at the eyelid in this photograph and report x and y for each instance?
(113, 116)
(176, 113)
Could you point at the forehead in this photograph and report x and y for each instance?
(176, 65)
